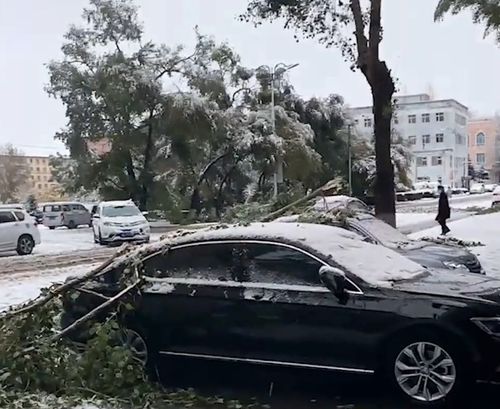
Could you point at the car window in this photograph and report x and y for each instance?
(271, 263)
(7, 217)
(202, 261)
(52, 208)
(77, 207)
(120, 211)
(20, 216)
(66, 208)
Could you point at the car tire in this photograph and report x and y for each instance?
(52, 227)
(72, 225)
(100, 240)
(25, 245)
(427, 369)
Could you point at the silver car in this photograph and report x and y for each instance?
(69, 214)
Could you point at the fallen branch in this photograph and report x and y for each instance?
(41, 301)
(95, 312)
(332, 184)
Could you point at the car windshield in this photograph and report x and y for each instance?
(384, 233)
(120, 211)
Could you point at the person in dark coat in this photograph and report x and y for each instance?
(443, 210)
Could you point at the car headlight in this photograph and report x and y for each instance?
(489, 325)
(454, 265)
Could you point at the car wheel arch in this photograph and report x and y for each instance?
(449, 334)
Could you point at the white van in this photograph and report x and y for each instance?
(69, 214)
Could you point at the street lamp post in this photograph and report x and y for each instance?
(349, 156)
(276, 72)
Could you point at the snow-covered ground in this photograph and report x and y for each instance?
(485, 229)
(19, 288)
(456, 202)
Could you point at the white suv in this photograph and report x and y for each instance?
(119, 221)
(18, 231)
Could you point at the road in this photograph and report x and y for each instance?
(456, 202)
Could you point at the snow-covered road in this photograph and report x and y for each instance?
(485, 229)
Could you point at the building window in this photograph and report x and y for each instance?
(38, 169)
(412, 140)
(46, 186)
(437, 161)
(439, 116)
(368, 122)
(412, 119)
(31, 160)
(459, 139)
(39, 186)
(439, 138)
(426, 118)
(460, 119)
(396, 120)
(480, 139)
(426, 139)
(37, 161)
(38, 178)
(421, 161)
(481, 158)
(356, 121)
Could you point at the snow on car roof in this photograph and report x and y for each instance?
(375, 265)
(115, 203)
(326, 203)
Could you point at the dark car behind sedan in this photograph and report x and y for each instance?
(310, 296)
(362, 221)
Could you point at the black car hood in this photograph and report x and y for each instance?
(433, 255)
(454, 284)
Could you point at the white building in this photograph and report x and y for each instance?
(436, 131)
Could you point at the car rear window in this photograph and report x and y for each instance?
(52, 208)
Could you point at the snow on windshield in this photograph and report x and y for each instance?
(120, 211)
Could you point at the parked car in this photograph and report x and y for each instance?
(281, 295)
(68, 214)
(496, 196)
(18, 231)
(430, 189)
(490, 187)
(373, 230)
(477, 188)
(119, 221)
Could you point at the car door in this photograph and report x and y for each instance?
(9, 230)
(190, 298)
(289, 317)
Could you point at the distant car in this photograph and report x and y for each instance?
(119, 221)
(18, 231)
(490, 187)
(68, 214)
(430, 189)
(373, 230)
(283, 296)
(496, 196)
(477, 188)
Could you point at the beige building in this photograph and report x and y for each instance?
(41, 183)
(484, 146)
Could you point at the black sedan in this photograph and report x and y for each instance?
(311, 296)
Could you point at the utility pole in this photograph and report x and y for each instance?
(349, 157)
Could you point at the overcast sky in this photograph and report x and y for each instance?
(450, 58)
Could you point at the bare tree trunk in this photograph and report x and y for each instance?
(385, 197)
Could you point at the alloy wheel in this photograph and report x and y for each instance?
(425, 371)
(136, 344)
(25, 245)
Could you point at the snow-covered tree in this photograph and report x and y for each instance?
(14, 174)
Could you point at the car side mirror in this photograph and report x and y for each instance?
(335, 280)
